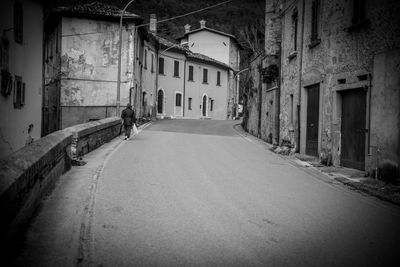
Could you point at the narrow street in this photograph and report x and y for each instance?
(195, 192)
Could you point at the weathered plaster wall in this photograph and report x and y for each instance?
(385, 109)
(291, 57)
(210, 44)
(90, 65)
(196, 89)
(171, 84)
(24, 60)
(149, 82)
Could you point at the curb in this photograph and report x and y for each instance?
(316, 172)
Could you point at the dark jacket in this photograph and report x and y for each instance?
(128, 115)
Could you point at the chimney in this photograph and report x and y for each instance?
(187, 28)
(153, 23)
(202, 24)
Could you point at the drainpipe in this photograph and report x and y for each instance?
(184, 87)
(300, 54)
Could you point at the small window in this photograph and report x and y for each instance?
(18, 22)
(145, 59)
(190, 103)
(359, 14)
(314, 20)
(218, 78)
(190, 73)
(211, 104)
(291, 109)
(19, 92)
(295, 19)
(205, 75)
(176, 68)
(152, 63)
(161, 65)
(178, 100)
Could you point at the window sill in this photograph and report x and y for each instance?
(292, 55)
(204, 83)
(162, 74)
(218, 85)
(314, 43)
(177, 76)
(191, 81)
(356, 26)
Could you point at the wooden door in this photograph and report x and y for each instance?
(312, 120)
(353, 129)
(160, 101)
(51, 108)
(204, 106)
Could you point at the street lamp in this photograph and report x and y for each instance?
(119, 58)
(172, 46)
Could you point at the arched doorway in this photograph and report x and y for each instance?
(160, 101)
(204, 106)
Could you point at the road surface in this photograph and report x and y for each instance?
(195, 192)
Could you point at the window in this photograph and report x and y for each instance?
(178, 100)
(176, 68)
(314, 22)
(218, 78)
(161, 65)
(190, 73)
(19, 92)
(145, 59)
(358, 11)
(295, 19)
(205, 75)
(190, 103)
(18, 22)
(211, 104)
(152, 63)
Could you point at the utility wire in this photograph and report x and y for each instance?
(187, 14)
(161, 21)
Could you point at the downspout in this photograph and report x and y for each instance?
(300, 76)
(184, 87)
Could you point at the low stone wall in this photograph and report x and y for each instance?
(31, 172)
(89, 136)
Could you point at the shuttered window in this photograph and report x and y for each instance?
(205, 75)
(176, 68)
(190, 73)
(161, 65)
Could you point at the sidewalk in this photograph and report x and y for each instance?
(354, 179)
(67, 207)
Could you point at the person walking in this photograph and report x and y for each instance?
(128, 119)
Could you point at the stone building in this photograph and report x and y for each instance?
(264, 92)
(340, 93)
(21, 50)
(81, 63)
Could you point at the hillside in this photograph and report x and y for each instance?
(242, 18)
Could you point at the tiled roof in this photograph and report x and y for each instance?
(165, 43)
(96, 9)
(206, 59)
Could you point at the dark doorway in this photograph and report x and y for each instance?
(160, 101)
(51, 108)
(353, 129)
(312, 120)
(204, 105)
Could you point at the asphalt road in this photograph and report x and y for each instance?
(190, 192)
(196, 193)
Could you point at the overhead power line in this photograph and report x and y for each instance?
(161, 21)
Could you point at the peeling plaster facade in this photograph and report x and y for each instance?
(89, 69)
(21, 59)
(347, 58)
